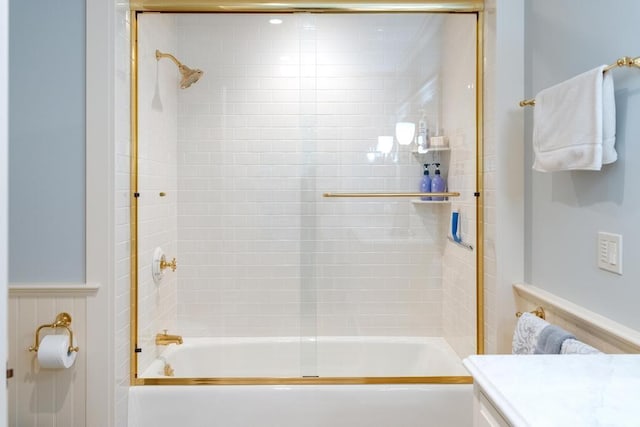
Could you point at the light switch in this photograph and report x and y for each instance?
(610, 252)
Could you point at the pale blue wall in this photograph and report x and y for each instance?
(46, 141)
(565, 210)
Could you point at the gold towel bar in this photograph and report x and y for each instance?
(63, 320)
(539, 311)
(625, 61)
(452, 194)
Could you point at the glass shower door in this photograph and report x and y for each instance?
(276, 277)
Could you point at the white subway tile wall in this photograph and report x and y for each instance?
(459, 121)
(283, 114)
(157, 173)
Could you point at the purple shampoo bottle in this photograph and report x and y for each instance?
(425, 182)
(437, 184)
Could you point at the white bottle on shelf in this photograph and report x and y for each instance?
(423, 134)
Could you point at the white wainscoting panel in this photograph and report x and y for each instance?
(45, 397)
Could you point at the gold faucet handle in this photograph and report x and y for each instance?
(172, 265)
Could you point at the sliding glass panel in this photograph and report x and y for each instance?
(243, 294)
(395, 297)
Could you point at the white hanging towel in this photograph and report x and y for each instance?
(574, 124)
(526, 333)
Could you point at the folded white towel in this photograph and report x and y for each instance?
(573, 346)
(525, 336)
(575, 123)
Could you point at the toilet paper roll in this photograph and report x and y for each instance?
(53, 352)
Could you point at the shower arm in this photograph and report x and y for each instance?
(171, 57)
(188, 75)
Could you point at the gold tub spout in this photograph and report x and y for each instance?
(166, 339)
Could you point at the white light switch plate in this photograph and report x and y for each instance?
(610, 252)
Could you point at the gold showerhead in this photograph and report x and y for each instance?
(189, 75)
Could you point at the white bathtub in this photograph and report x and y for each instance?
(386, 405)
(295, 357)
(437, 405)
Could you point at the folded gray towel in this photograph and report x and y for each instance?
(550, 340)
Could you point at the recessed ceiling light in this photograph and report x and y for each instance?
(275, 21)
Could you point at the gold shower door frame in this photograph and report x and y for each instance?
(333, 6)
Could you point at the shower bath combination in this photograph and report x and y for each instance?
(278, 285)
(189, 75)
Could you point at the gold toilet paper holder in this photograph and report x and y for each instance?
(63, 320)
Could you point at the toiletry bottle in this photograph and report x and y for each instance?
(425, 183)
(423, 133)
(437, 184)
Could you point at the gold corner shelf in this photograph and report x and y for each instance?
(390, 195)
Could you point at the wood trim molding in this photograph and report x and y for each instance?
(53, 289)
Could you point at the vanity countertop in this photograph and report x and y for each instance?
(566, 390)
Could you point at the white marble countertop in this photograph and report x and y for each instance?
(566, 390)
